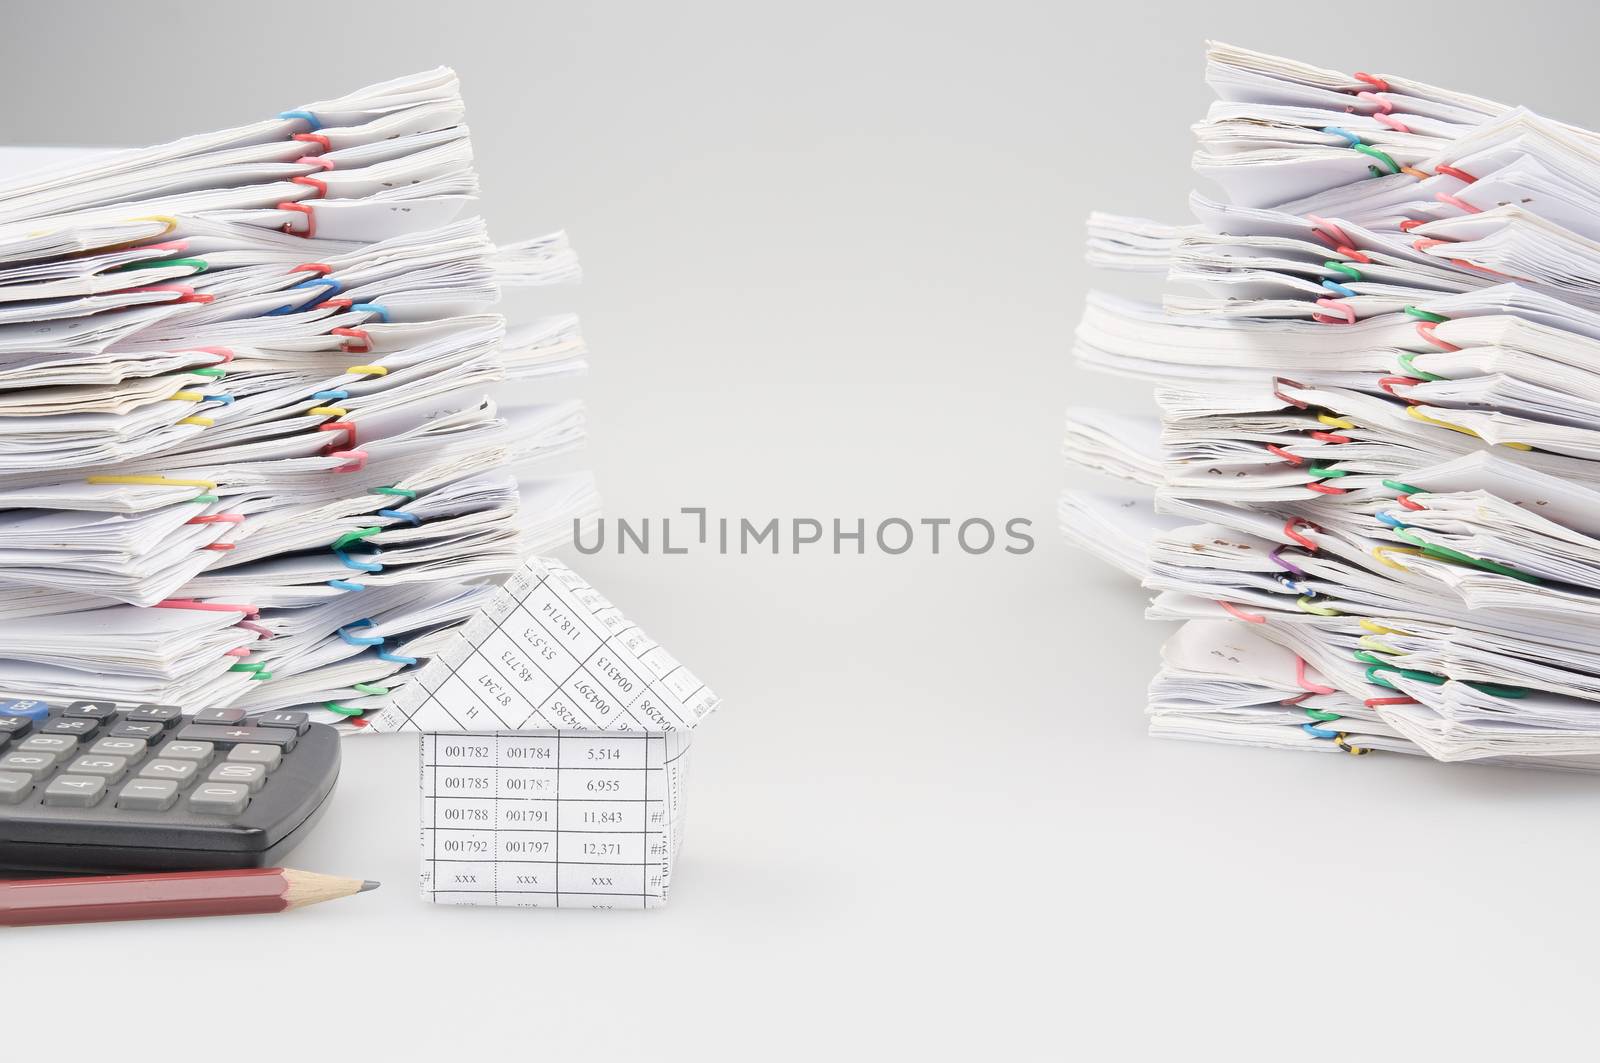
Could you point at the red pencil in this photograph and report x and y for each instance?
(34, 902)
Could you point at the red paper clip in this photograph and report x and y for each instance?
(1376, 82)
(1388, 383)
(349, 441)
(1292, 459)
(1451, 171)
(314, 138)
(1289, 531)
(311, 220)
(186, 294)
(353, 333)
(1277, 390)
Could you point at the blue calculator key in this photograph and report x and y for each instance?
(32, 708)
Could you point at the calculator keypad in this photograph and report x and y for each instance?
(97, 787)
(147, 756)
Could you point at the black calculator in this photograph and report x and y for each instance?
(98, 787)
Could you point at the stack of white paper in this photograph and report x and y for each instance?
(1376, 472)
(249, 447)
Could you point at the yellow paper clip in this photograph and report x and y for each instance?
(203, 422)
(153, 481)
(187, 396)
(1378, 629)
(1355, 751)
(1370, 642)
(368, 370)
(1320, 610)
(1335, 422)
(327, 411)
(1382, 554)
(1416, 412)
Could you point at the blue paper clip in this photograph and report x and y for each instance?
(1318, 732)
(350, 562)
(1339, 289)
(359, 640)
(1338, 132)
(1390, 520)
(346, 585)
(309, 118)
(331, 396)
(222, 397)
(397, 658)
(371, 308)
(329, 286)
(400, 514)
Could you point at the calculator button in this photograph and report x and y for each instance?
(14, 786)
(148, 795)
(297, 720)
(266, 756)
(219, 716)
(132, 749)
(197, 751)
(238, 736)
(166, 715)
(224, 798)
(78, 791)
(108, 768)
(29, 707)
(61, 745)
(136, 729)
(70, 725)
(16, 725)
(32, 763)
(178, 771)
(91, 710)
(250, 776)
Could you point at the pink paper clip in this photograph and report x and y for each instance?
(1330, 233)
(1239, 614)
(208, 607)
(1300, 679)
(262, 633)
(1340, 310)
(357, 459)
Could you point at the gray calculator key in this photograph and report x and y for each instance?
(70, 725)
(178, 771)
(108, 768)
(247, 775)
(224, 798)
(297, 720)
(131, 748)
(137, 729)
(148, 795)
(200, 751)
(239, 735)
(14, 786)
(266, 756)
(167, 714)
(60, 745)
(78, 791)
(91, 710)
(32, 763)
(219, 716)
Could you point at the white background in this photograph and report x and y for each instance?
(833, 262)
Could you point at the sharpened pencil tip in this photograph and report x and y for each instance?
(368, 884)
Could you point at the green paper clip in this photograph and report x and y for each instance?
(1408, 367)
(353, 537)
(1426, 315)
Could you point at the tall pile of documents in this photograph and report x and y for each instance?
(249, 452)
(1372, 495)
